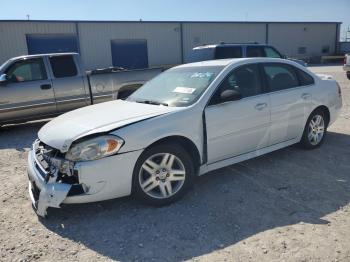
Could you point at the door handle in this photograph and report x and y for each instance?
(260, 106)
(45, 86)
(305, 96)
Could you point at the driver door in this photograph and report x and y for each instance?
(242, 126)
(27, 93)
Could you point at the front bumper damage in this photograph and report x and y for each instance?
(54, 181)
(46, 189)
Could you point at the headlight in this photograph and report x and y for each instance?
(95, 148)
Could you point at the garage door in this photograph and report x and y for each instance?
(130, 54)
(51, 43)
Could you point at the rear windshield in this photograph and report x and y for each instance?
(201, 54)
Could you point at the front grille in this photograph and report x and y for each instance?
(49, 162)
(44, 155)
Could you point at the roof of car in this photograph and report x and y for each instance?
(228, 44)
(42, 55)
(226, 62)
(218, 62)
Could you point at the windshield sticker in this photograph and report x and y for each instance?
(202, 75)
(184, 90)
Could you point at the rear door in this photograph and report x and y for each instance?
(271, 52)
(255, 51)
(290, 101)
(68, 83)
(28, 92)
(242, 126)
(224, 52)
(262, 51)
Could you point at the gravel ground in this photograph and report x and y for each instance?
(289, 205)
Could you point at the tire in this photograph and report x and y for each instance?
(313, 136)
(151, 176)
(348, 74)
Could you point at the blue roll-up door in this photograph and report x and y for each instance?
(51, 43)
(130, 53)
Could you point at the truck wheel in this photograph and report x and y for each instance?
(315, 130)
(163, 174)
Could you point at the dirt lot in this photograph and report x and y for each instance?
(290, 205)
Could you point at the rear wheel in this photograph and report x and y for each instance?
(315, 130)
(163, 174)
(348, 74)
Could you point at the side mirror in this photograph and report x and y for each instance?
(230, 95)
(3, 79)
(284, 57)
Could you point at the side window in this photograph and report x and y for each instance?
(27, 70)
(63, 66)
(223, 52)
(304, 78)
(280, 76)
(255, 51)
(270, 52)
(244, 80)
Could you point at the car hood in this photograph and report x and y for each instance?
(62, 131)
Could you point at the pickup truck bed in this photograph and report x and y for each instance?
(46, 85)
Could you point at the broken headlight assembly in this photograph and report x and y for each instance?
(94, 148)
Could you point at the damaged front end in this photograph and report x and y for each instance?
(52, 178)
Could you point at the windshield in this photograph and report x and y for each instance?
(178, 87)
(2, 67)
(200, 54)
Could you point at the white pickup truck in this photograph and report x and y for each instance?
(46, 85)
(347, 65)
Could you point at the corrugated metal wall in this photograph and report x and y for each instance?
(13, 35)
(287, 38)
(163, 41)
(195, 34)
(164, 38)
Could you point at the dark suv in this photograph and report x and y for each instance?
(228, 50)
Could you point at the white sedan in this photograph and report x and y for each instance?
(187, 121)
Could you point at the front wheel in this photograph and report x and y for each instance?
(163, 174)
(315, 130)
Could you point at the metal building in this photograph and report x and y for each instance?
(140, 44)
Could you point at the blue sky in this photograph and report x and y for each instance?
(180, 10)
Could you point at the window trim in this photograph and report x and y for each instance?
(28, 59)
(299, 80)
(256, 46)
(263, 89)
(223, 47)
(278, 63)
(274, 49)
(59, 56)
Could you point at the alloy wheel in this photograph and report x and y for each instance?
(316, 130)
(162, 175)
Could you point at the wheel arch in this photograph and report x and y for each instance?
(186, 143)
(326, 111)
